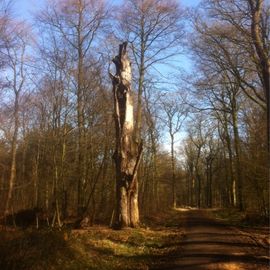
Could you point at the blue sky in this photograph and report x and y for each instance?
(24, 8)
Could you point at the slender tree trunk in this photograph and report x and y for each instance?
(138, 120)
(56, 187)
(35, 175)
(210, 185)
(229, 147)
(80, 120)
(198, 190)
(153, 181)
(209, 182)
(173, 172)
(80, 140)
(127, 151)
(239, 183)
(62, 176)
(198, 178)
(227, 198)
(13, 154)
(263, 56)
(155, 195)
(191, 184)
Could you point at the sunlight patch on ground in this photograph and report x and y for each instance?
(231, 266)
(238, 253)
(185, 209)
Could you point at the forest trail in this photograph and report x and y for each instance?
(176, 239)
(210, 244)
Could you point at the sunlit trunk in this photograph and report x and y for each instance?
(127, 152)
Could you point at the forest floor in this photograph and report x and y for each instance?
(178, 239)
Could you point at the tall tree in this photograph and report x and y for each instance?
(128, 151)
(260, 29)
(15, 49)
(245, 25)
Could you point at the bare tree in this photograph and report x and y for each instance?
(245, 25)
(150, 195)
(14, 48)
(175, 115)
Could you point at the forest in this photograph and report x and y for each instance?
(130, 124)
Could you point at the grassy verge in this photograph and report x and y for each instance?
(94, 248)
(235, 217)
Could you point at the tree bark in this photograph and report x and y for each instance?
(229, 147)
(257, 35)
(127, 149)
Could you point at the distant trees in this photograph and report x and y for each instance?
(150, 184)
(174, 115)
(257, 36)
(228, 85)
(239, 30)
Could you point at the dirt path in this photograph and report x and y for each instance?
(209, 244)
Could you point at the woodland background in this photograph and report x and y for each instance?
(204, 129)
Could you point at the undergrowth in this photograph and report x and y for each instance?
(94, 248)
(235, 217)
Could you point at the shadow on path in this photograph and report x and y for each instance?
(210, 244)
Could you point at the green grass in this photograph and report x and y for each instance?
(94, 248)
(235, 217)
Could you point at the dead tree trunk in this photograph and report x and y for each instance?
(127, 151)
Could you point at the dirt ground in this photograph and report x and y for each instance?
(208, 243)
(176, 239)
